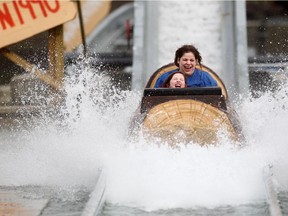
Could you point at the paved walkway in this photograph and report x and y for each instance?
(13, 203)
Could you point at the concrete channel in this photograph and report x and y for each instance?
(28, 201)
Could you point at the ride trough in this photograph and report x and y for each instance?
(199, 115)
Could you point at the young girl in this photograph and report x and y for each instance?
(175, 80)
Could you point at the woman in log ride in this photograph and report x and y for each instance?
(197, 113)
(186, 59)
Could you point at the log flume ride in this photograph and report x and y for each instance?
(185, 115)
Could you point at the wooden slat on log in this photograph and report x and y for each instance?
(197, 121)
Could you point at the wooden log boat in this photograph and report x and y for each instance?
(186, 115)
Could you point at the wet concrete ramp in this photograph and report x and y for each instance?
(33, 200)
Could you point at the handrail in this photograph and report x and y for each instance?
(271, 193)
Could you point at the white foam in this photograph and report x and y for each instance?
(142, 173)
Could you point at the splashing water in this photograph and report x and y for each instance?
(92, 134)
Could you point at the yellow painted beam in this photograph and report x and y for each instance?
(56, 53)
(27, 66)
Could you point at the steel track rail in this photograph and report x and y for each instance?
(271, 192)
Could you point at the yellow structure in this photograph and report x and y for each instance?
(19, 21)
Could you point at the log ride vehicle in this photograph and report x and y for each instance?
(198, 114)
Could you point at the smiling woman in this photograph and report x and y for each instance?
(186, 59)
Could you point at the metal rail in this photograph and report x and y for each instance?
(271, 192)
(83, 37)
(97, 197)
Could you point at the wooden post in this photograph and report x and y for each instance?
(56, 53)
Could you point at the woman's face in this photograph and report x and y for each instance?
(177, 81)
(187, 63)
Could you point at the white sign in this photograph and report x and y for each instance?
(21, 19)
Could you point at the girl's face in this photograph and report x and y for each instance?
(177, 81)
(187, 63)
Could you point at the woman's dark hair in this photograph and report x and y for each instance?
(166, 84)
(186, 49)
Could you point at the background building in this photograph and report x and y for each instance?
(228, 34)
(134, 38)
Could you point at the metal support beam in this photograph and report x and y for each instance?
(234, 48)
(242, 76)
(83, 36)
